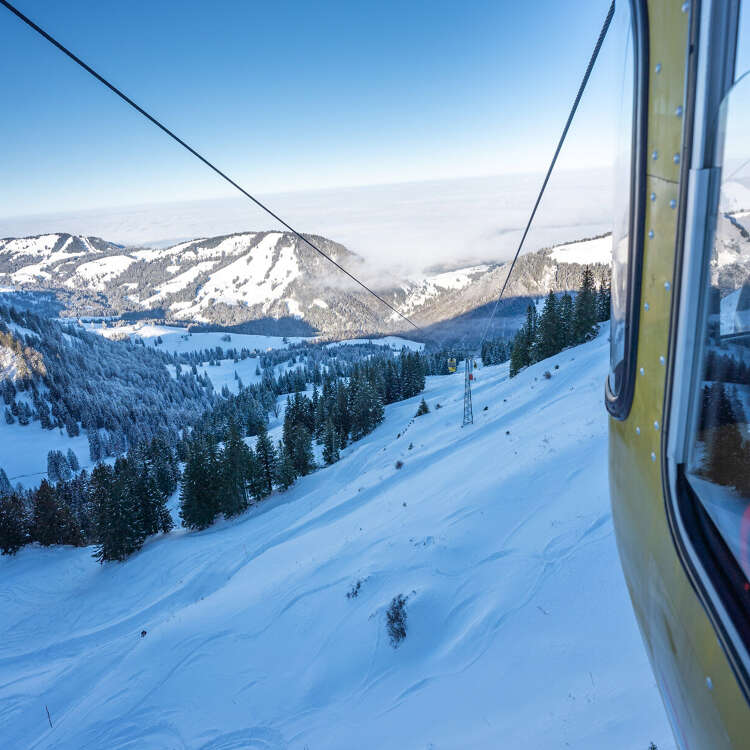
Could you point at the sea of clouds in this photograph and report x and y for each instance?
(407, 228)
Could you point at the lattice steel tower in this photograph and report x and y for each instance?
(468, 412)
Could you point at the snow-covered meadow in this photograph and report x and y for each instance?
(519, 629)
(177, 339)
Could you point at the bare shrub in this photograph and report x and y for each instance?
(397, 620)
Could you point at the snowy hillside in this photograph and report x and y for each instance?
(275, 281)
(499, 535)
(598, 250)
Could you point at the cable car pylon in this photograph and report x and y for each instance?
(468, 411)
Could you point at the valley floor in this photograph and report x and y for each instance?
(519, 633)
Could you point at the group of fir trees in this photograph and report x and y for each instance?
(225, 478)
(223, 475)
(564, 321)
(115, 507)
(494, 351)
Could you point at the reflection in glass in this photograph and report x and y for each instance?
(720, 459)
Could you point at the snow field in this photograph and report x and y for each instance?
(598, 250)
(519, 630)
(176, 338)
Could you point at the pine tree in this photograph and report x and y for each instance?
(548, 339)
(330, 444)
(566, 320)
(45, 527)
(422, 409)
(584, 318)
(164, 466)
(286, 473)
(235, 474)
(5, 486)
(519, 353)
(100, 498)
(198, 497)
(50, 522)
(95, 445)
(300, 449)
(603, 302)
(14, 524)
(267, 459)
(73, 460)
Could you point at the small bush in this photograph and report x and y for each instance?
(485, 408)
(438, 405)
(557, 367)
(353, 593)
(423, 408)
(399, 464)
(397, 620)
(411, 445)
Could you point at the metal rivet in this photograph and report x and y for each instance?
(646, 306)
(678, 111)
(656, 425)
(653, 457)
(662, 360)
(651, 234)
(654, 155)
(676, 158)
(642, 371)
(637, 430)
(667, 285)
(709, 683)
(653, 196)
(673, 203)
(658, 68)
(685, 7)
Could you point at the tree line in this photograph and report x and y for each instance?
(563, 322)
(114, 508)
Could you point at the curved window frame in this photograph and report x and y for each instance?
(711, 567)
(618, 404)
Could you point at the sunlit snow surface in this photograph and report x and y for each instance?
(598, 250)
(520, 632)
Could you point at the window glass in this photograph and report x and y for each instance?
(621, 225)
(719, 467)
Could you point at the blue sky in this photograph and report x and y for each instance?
(293, 95)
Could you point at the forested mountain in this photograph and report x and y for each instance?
(273, 280)
(119, 393)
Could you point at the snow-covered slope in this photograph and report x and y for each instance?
(520, 633)
(597, 250)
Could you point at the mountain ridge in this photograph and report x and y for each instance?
(247, 277)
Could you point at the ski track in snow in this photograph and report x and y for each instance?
(520, 632)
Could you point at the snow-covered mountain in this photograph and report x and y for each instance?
(271, 276)
(519, 629)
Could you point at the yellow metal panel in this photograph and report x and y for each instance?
(702, 698)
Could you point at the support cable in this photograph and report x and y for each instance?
(195, 153)
(576, 102)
